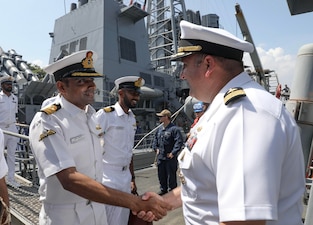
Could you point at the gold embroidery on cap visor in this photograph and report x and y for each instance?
(196, 48)
(84, 74)
(185, 51)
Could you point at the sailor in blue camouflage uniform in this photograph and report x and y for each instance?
(167, 143)
(66, 142)
(243, 161)
(119, 126)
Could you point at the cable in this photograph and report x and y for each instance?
(174, 116)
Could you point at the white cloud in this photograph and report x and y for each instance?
(276, 59)
(39, 63)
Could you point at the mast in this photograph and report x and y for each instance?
(163, 30)
(254, 55)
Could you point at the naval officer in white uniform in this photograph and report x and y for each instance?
(119, 126)
(65, 140)
(8, 111)
(243, 161)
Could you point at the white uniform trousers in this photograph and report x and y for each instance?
(118, 178)
(10, 142)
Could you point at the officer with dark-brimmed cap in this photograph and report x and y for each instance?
(66, 141)
(119, 125)
(243, 161)
(213, 41)
(8, 112)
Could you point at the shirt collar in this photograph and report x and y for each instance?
(73, 109)
(120, 111)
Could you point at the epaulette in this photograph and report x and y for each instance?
(233, 94)
(51, 109)
(109, 109)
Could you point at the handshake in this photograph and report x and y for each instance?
(153, 207)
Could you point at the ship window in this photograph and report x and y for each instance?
(146, 77)
(83, 44)
(73, 47)
(64, 47)
(128, 49)
(159, 81)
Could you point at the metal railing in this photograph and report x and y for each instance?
(24, 156)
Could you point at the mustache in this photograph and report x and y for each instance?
(96, 91)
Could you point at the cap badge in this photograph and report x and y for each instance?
(137, 83)
(87, 62)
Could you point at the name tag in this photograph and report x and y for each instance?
(73, 140)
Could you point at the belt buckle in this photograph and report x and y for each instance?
(124, 168)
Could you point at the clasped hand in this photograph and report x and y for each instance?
(152, 207)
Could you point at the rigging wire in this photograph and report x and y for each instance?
(174, 116)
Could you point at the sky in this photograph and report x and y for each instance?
(278, 36)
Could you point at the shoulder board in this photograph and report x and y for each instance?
(233, 94)
(51, 109)
(109, 109)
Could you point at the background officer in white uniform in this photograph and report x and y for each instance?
(8, 110)
(119, 126)
(65, 140)
(243, 162)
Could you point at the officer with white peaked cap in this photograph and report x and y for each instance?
(119, 126)
(78, 64)
(6, 79)
(66, 141)
(233, 169)
(8, 112)
(212, 41)
(129, 82)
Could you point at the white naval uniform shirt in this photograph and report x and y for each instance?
(119, 133)
(3, 164)
(8, 109)
(76, 143)
(244, 161)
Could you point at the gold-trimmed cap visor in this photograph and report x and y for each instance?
(212, 41)
(78, 64)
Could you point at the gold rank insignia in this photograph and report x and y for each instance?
(233, 94)
(182, 177)
(137, 83)
(51, 109)
(98, 127)
(46, 134)
(199, 129)
(87, 62)
(109, 109)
